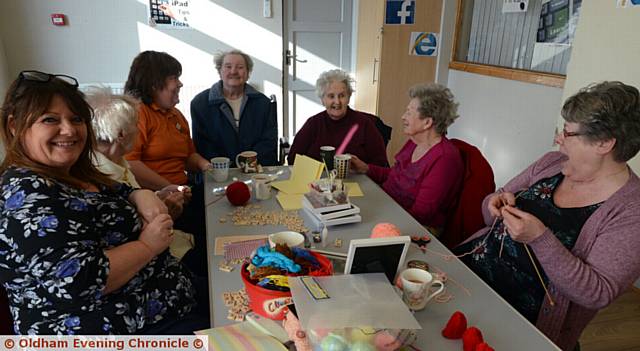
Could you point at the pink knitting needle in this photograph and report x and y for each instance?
(347, 139)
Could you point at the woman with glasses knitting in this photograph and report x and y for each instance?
(561, 240)
(79, 253)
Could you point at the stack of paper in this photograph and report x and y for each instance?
(305, 170)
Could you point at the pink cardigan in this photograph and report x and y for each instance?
(604, 262)
(427, 188)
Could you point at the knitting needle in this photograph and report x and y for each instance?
(347, 139)
(544, 286)
(504, 235)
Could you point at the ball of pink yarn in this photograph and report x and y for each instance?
(382, 230)
(384, 341)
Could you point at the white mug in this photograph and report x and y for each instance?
(416, 287)
(220, 168)
(262, 186)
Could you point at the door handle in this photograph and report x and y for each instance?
(375, 64)
(289, 56)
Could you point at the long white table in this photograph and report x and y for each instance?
(502, 326)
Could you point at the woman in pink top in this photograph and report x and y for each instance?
(428, 171)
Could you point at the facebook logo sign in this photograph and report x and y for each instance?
(400, 11)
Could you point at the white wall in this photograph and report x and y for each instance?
(104, 36)
(511, 122)
(616, 55)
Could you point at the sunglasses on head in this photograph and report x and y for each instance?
(42, 77)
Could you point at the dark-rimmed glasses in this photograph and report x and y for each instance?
(566, 134)
(42, 77)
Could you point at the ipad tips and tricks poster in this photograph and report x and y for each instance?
(169, 13)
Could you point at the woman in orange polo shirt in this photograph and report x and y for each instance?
(163, 150)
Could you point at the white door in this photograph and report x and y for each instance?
(317, 38)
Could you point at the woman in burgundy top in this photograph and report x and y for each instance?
(329, 127)
(428, 171)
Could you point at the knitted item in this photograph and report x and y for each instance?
(483, 347)
(470, 338)
(456, 326)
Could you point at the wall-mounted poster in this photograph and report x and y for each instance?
(400, 12)
(423, 44)
(558, 21)
(169, 13)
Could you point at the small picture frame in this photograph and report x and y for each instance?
(379, 255)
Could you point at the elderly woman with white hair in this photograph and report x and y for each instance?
(232, 116)
(330, 127)
(115, 125)
(427, 175)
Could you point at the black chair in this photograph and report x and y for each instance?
(385, 130)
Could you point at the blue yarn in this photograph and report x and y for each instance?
(265, 257)
(306, 255)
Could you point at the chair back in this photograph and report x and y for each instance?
(466, 217)
(385, 130)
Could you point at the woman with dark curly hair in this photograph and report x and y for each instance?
(427, 175)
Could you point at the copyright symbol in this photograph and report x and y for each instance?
(8, 343)
(197, 343)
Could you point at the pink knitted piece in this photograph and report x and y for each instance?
(292, 326)
(382, 230)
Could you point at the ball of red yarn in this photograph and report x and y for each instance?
(238, 193)
(383, 230)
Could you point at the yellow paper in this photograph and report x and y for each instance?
(353, 189)
(290, 202)
(305, 170)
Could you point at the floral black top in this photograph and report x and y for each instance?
(53, 265)
(512, 275)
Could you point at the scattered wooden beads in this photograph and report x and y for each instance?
(229, 265)
(238, 304)
(251, 215)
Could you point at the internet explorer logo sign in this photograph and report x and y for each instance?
(423, 44)
(400, 12)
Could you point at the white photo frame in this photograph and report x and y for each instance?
(379, 255)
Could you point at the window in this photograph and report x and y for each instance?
(516, 39)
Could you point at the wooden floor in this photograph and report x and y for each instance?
(615, 328)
